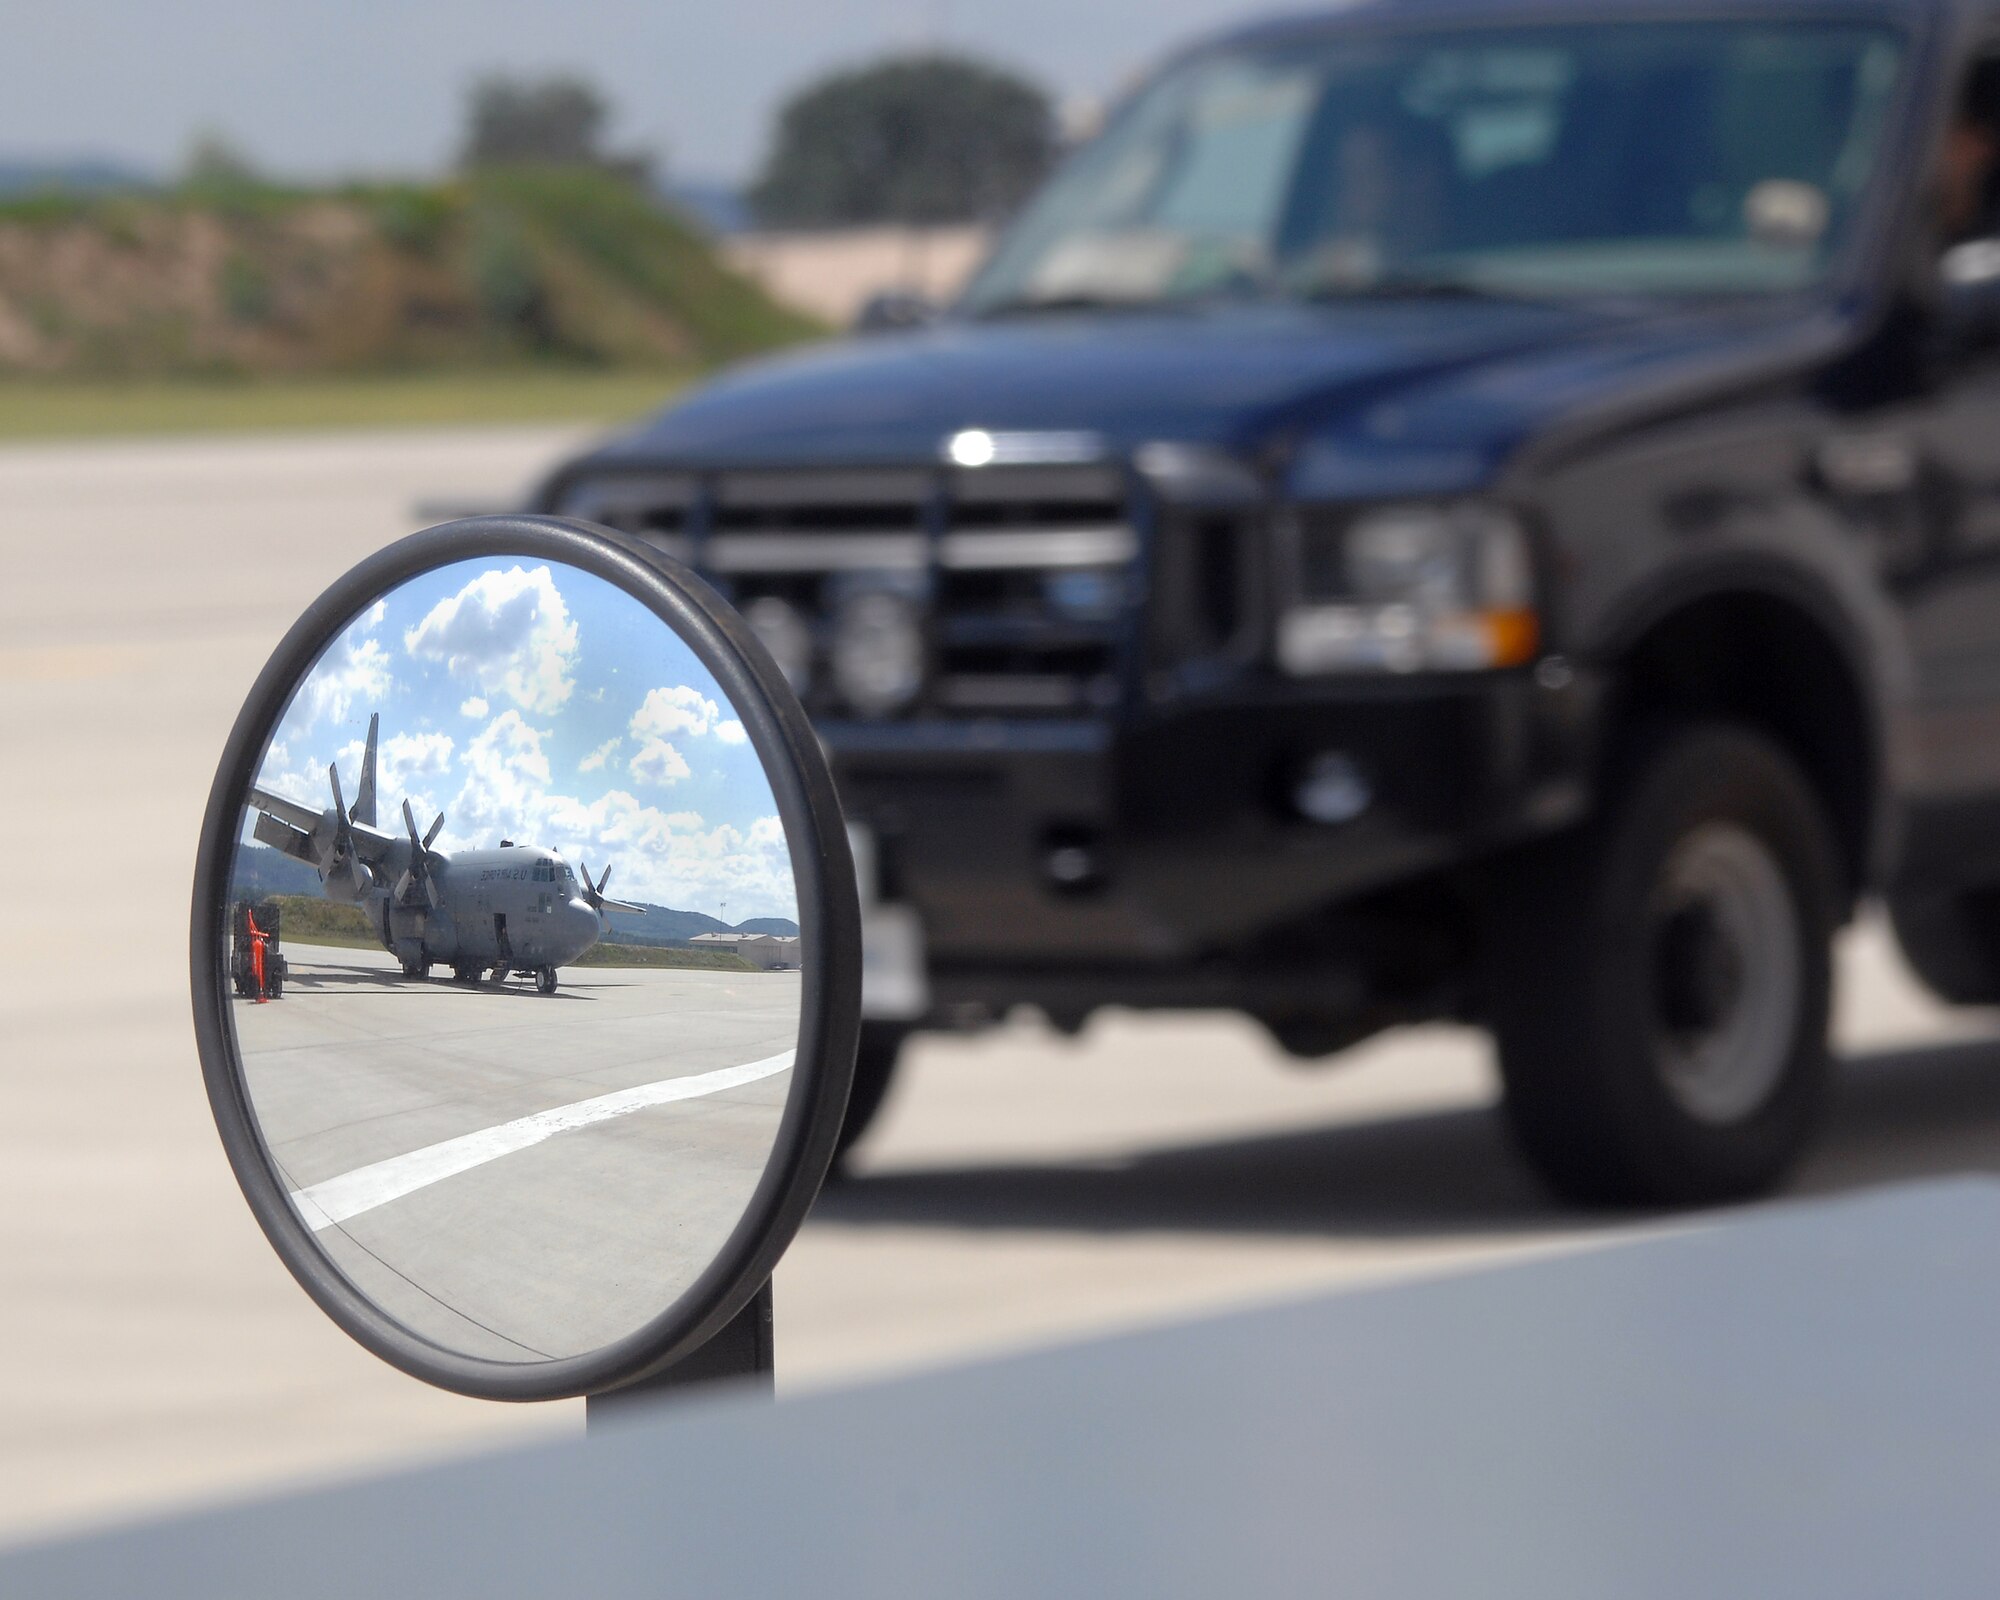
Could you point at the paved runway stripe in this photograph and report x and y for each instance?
(365, 1188)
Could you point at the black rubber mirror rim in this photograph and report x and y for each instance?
(829, 926)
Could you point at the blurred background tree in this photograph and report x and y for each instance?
(922, 139)
(554, 121)
(214, 161)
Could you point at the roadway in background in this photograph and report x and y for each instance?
(1021, 1188)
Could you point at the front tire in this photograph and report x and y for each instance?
(1661, 978)
(874, 1072)
(545, 981)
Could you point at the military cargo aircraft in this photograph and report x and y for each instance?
(514, 909)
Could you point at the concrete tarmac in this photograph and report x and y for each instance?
(1020, 1189)
(421, 1125)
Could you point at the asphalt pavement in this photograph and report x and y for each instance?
(1021, 1189)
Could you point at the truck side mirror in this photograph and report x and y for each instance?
(521, 1139)
(894, 311)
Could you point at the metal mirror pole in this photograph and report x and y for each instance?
(742, 1353)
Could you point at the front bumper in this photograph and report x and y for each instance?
(1120, 859)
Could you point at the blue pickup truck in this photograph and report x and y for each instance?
(1475, 509)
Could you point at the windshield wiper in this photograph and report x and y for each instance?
(1414, 286)
(1081, 301)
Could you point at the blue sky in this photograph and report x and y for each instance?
(538, 703)
(318, 88)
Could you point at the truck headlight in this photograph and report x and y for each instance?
(1407, 589)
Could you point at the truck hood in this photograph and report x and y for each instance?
(1440, 387)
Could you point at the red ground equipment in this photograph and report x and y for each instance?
(256, 967)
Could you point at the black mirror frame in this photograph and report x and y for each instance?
(829, 924)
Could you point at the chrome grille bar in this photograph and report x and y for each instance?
(816, 552)
(1005, 549)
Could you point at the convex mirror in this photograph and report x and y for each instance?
(525, 958)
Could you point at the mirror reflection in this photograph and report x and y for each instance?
(520, 1111)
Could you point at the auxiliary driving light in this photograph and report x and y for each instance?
(783, 632)
(878, 653)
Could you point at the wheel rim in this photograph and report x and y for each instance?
(1726, 972)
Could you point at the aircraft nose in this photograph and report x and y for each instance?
(580, 927)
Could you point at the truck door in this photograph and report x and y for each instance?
(1952, 593)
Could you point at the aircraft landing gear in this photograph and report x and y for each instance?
(545, 981)
(469, 976)
(416, 969)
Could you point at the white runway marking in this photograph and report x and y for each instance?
(336, 1199)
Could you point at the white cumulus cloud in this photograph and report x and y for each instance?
(352, 676)
(731, 732)
(599, 756)
(504, 632)
(677, 710)
(663, 714)
(658, 762)
(475, 708)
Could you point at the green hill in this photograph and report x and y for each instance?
(551, 266)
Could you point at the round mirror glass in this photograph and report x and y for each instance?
(511, 956)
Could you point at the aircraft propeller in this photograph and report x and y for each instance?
(343, 836)
(593, 893)
(421, 867)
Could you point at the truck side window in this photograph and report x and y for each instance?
(1969, 175)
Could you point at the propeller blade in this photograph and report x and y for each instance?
(592, 895)
(603, 879)
(339, 800)
(358, 873)
(420, 868)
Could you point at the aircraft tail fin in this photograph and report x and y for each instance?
(364, 794)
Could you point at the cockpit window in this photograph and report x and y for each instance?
(1610, 158)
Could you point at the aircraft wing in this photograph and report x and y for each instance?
(370, 844)
(303, 817)
(620, 905)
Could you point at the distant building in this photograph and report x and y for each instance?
(765, 950)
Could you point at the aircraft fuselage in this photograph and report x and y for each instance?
(515, 908)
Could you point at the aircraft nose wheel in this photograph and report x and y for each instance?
(545, 981)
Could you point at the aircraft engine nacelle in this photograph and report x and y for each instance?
(349, 882)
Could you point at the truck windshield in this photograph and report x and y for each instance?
(1604, 159)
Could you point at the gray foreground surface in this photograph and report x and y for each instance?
(1021, 1189)
(1802, 1403)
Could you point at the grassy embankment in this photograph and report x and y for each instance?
(306, 919)
(506, 295)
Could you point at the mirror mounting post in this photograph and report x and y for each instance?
(743, 1354)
